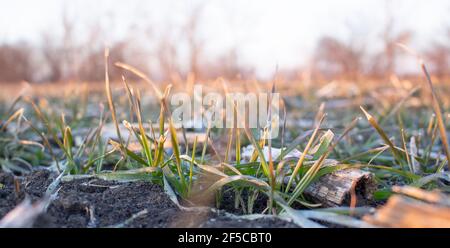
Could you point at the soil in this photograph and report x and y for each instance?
(98, 203)
(8, 198)
(229, 200)
(14, 189)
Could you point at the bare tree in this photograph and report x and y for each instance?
(92, 66)
(167, 54)
(60, 52)
(194, 44)
(16, 62)
(52, 58)
(439, 57)
(385, 63)
(334, 58)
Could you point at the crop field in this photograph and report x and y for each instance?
(111, 156)
(121, 149)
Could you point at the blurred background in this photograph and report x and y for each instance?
(61, 40)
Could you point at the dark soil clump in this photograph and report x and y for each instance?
(98, 203)
(211, 219)
(35, 184)
(226, 222)
(13, 189)
(8, 196)
(228, 202)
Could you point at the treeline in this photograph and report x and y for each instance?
(68, 56)
(346, 60)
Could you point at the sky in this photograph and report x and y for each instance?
(266, 33)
